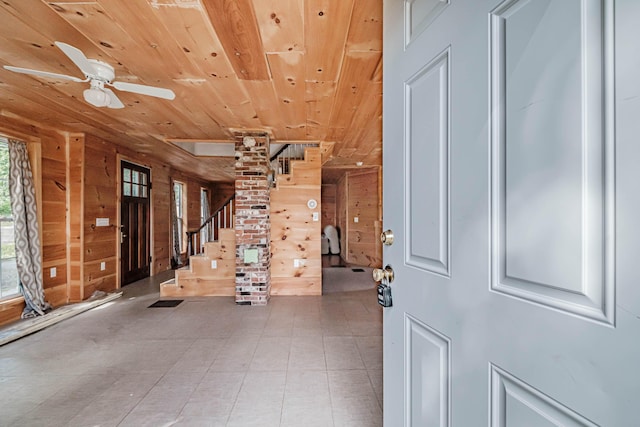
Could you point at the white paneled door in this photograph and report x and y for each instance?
(512, 185)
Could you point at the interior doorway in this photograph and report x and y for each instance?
(135, 227)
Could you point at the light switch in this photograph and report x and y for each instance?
(315, 216)
(355, 219)
(53, 272)
(214, 263)
(103, 266)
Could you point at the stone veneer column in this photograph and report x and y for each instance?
(252, 223)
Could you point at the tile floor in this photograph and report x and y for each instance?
(300, 361)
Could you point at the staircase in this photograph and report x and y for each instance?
(212, 270)
(210, 273)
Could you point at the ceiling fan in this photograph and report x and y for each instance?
(98, 74)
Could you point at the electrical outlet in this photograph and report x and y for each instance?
(103, 266)
(296, 263)
(53, 272)
(355, 219)
(214, 263)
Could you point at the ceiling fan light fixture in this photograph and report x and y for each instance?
(96, 97)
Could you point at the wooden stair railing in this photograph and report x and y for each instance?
(221, 218)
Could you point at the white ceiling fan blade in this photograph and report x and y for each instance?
(115, 101)
(77, 57)
(42, 73)
(158, 92)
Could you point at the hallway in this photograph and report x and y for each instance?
(300, 361)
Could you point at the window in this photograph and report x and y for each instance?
(134, 183)
(8, 270)
(178, 191)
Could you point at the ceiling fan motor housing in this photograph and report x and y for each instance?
(102, 71)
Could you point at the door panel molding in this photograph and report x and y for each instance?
(552, 190)
(427, 374)
(516, 403)
(419, 14)
(427, 146)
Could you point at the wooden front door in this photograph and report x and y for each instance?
(511, 178)
(135, 229)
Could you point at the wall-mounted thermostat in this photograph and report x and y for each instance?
(312, 204)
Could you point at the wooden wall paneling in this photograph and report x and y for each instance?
(263, 97)
(217, 80)
(10, 310)
(204, 108)
(351, 91)
(100, 201)
(96, 21)
(328, 205)
(281, 25)
(45, 56)
(367, 113)
(288, 80)
(220, 192)
(160, 218)
(295, 237)
(326, 26)
(296, 286)
(32, 12)
(105, 284)
(75, 216)
(194, 34)
(363, 203)
(319, 99)
(33, 92)
(193, 204)
(51, 211)
(235, 24)
(309, 269)
(199, 50)
(365, 31)
(326, 149)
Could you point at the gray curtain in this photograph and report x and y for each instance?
(205, 233)
(175, 229)
(27, 236)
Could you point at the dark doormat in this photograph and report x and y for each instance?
(166, 303)
(358, 270)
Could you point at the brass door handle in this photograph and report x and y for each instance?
(380, 274)
(387, 237)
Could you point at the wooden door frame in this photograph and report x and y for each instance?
(119, 159)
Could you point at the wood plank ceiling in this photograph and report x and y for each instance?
(303, 70)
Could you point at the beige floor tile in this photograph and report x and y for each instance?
(272, 354)
(307, 353)
(300, 361)
(342, 353)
